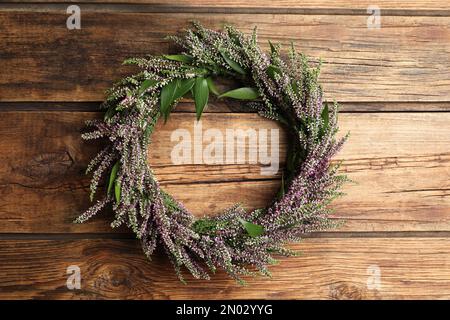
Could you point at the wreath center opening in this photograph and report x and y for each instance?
(224, 158)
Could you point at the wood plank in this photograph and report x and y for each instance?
(42, 172)
(400, 161)
(406, 60)
(399, 5)
(407, 268)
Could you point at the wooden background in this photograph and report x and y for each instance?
(394, 87)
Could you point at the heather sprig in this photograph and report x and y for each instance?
(285, 89)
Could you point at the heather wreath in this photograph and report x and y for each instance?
(279, 87)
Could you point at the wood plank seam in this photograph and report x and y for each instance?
(161, 8)
(218, 107)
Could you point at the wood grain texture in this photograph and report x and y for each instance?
(397, 213)
(406, 60)
(332, 5)
(409, 268)
(399, 161)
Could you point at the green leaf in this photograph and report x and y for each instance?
(272, 47)
(117, 191)
(205, 226)
(145, 85)
(112, 176)
(183, 86)
(212, 87)
(174, 91)
(272, 70)
(109, 113)
(252, 229)
(245, 93)
(326, 119)
(233, 64)
(325, 116)
(179, 57)
(201, 93)
(292, 161)
(295, 87)
(167, 98)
